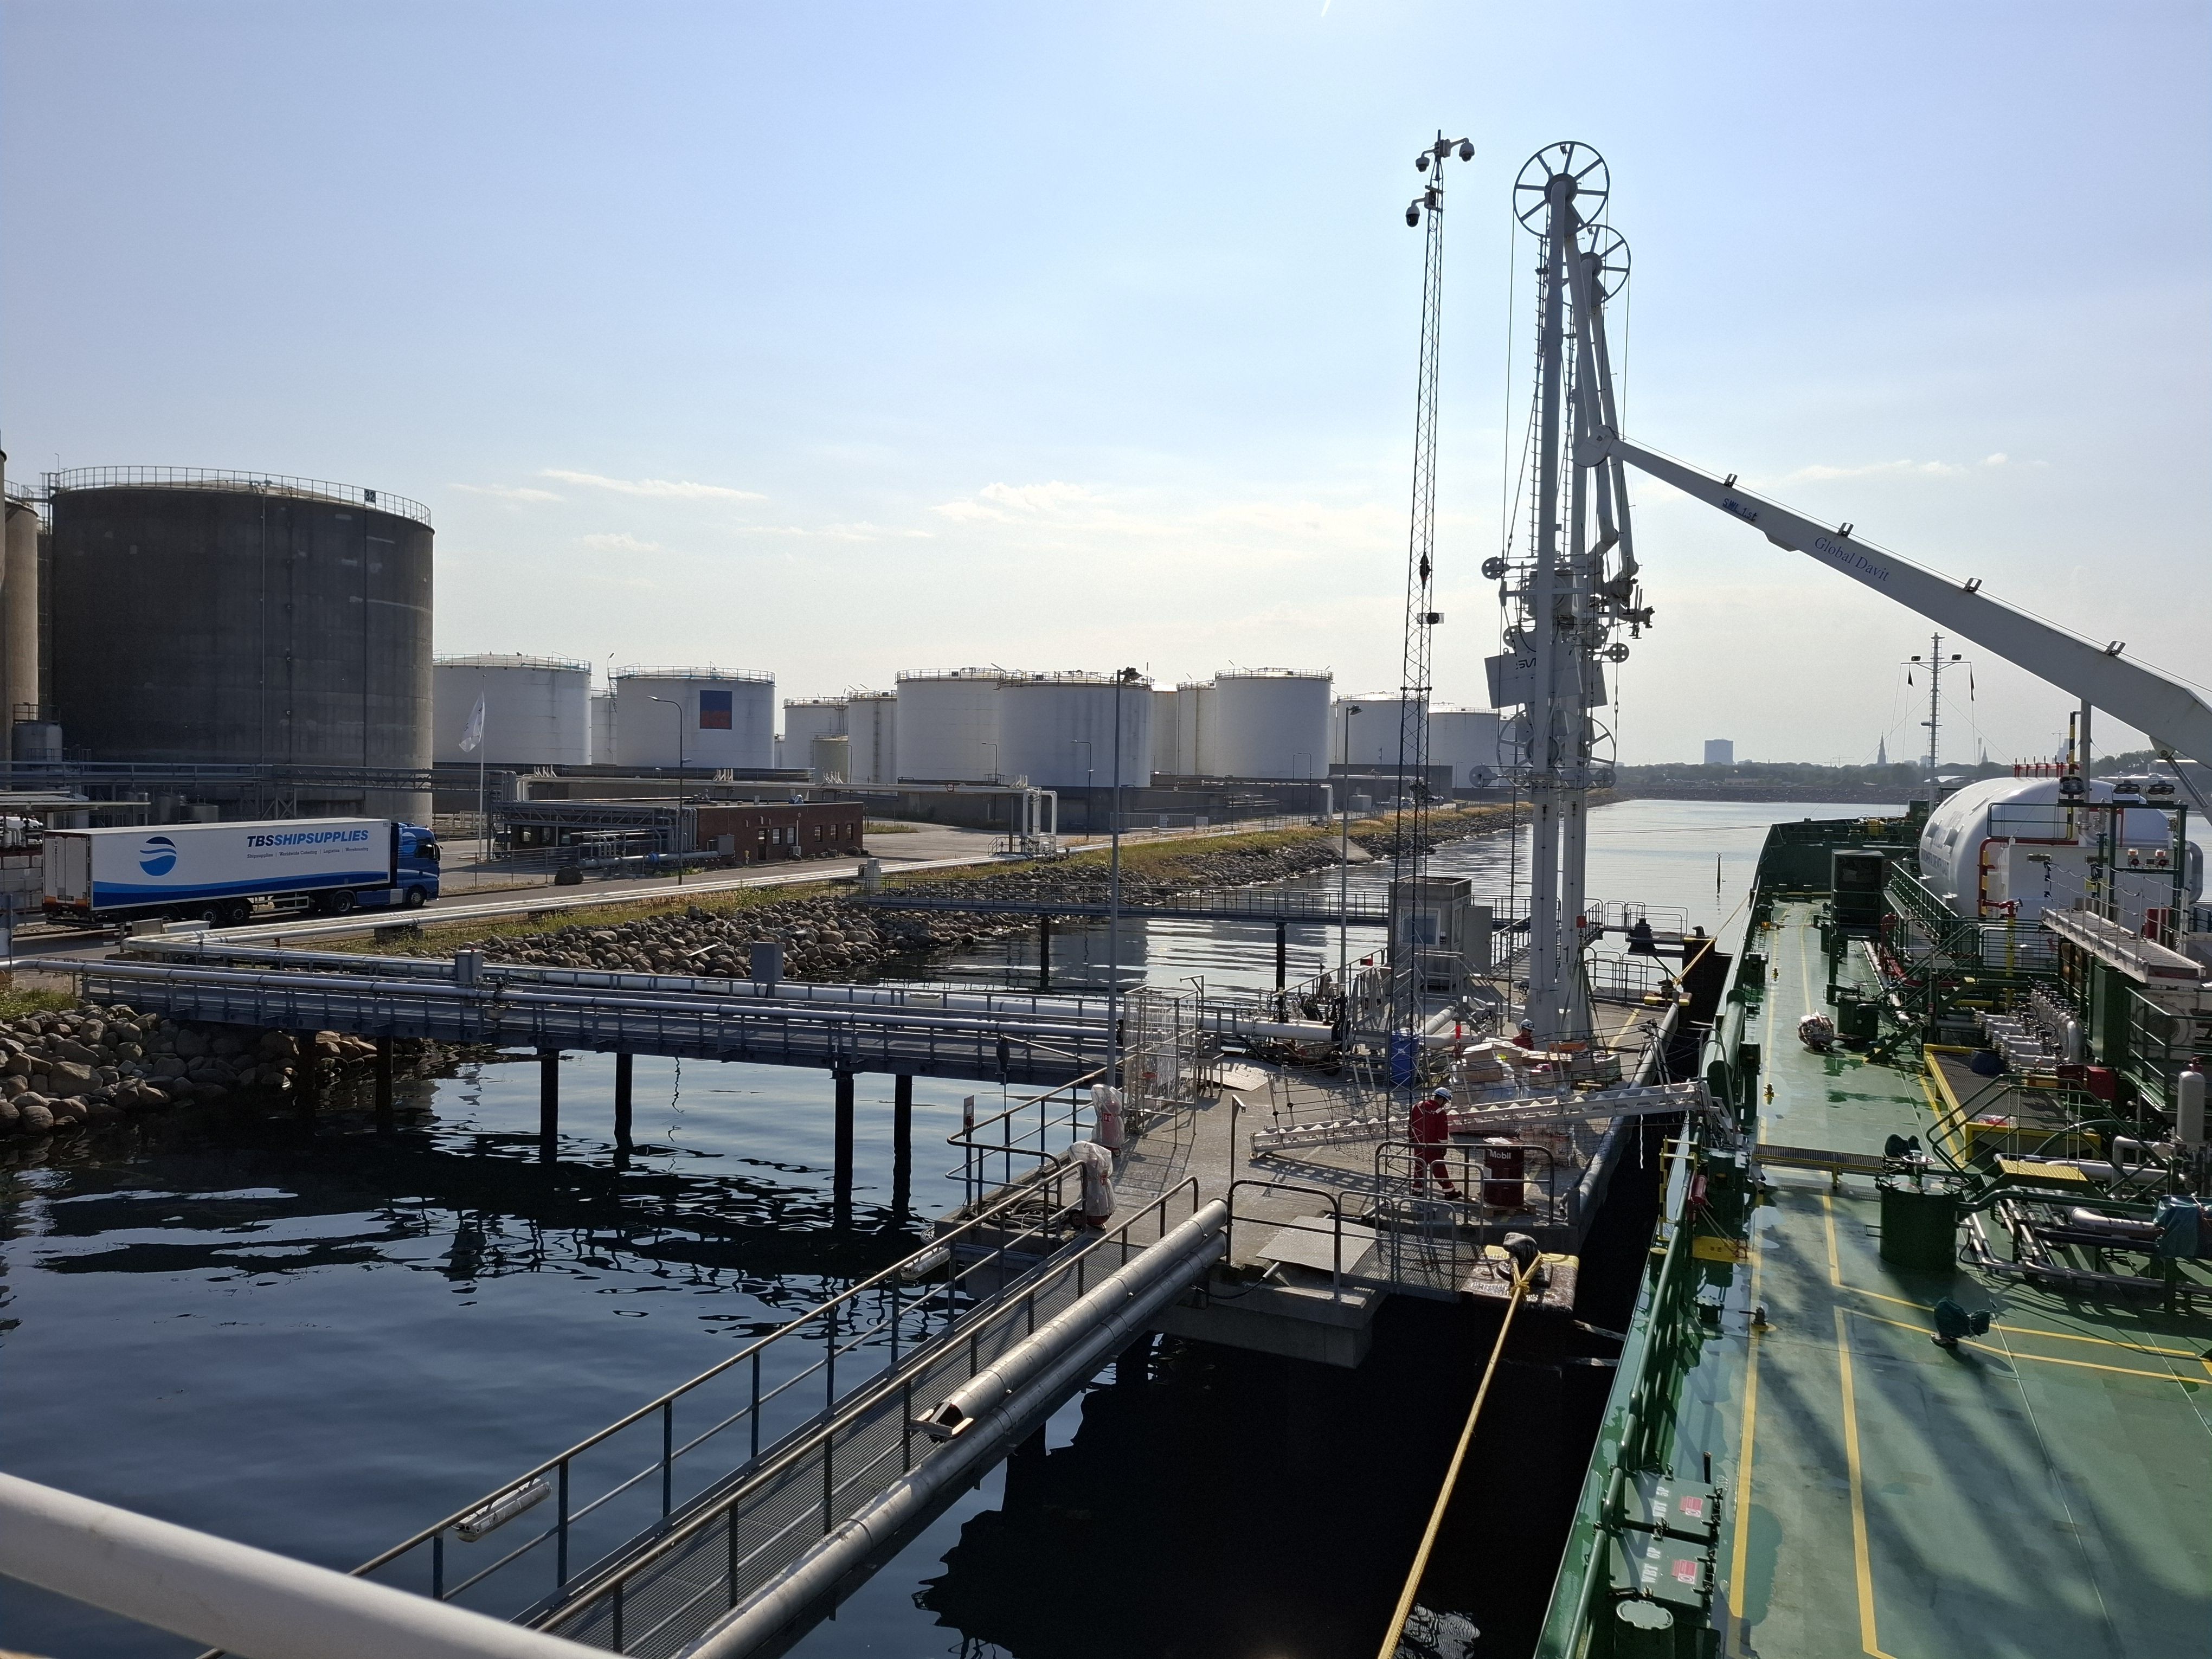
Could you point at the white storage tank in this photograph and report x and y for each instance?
(1166, 736)
(1371, 737)
(948, 726)
(1465, 739)
(725, 717)
(1057, 730)
(1193, 706)
(1267, 723)
(537, 709)
(805, 719)
(2006, 843)
(602, 727)
(872, 723)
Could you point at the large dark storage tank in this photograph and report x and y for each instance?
(217, 616)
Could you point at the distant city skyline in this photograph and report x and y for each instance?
(836, 341)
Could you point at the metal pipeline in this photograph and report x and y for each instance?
(1022, 1390)
(244, 1600)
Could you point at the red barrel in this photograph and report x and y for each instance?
(1507, 1162)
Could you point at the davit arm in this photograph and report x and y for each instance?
(2169, 712)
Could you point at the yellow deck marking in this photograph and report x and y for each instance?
(1828, 1215)
(1740, 1626)
(2046, 1358)
(1859, 1550)
(1942, 1123)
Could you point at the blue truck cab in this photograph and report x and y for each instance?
(415, 870)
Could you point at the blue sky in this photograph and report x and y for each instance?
(839, 339)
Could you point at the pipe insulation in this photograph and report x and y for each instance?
(247, 1601)
(1009, 1400)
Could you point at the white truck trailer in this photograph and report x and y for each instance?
(219, 872)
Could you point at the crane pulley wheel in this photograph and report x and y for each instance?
(1579, 162)
(1607, 250)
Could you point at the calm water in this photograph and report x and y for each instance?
(317, 1340)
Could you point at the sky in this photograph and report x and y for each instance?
(844, 339)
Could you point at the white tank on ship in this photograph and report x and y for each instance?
(1057, 730)
(537, 709)
(2014, 841)
(948, 726)
(725, 718)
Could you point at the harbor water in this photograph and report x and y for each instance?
(316, 1339)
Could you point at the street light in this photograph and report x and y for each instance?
(1125, 677)
(678, 838)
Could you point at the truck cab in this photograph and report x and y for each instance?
(414, 871)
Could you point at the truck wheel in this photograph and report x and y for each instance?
(236, 913)
(416, 899)
(340, 901)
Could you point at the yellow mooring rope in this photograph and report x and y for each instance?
(1389, 1647)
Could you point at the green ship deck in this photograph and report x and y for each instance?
(2044, 1490)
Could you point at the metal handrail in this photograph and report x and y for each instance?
(613, 1580)
(1336, 1207)
(201, 477)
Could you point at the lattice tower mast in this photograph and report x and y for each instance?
(1408, 840)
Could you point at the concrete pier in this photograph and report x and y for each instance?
(548, 1102)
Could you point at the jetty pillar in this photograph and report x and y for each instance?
(1044, 952)
(625, 1070)
(548, 1102)
(307, 1077)
(841, 1171)
(1282, 956)
(901, 1146)
(1025, 1472)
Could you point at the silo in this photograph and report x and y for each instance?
(1268, 723)
(1373, 731)
(698, 716)
(1166, 736)
(805, 719)
(948, 726)
(1465, 739)
(603, 728)
(221, 616)
(19, 615)
(1057, 731)
(871, 722)
(537, 709)
(1193, 721)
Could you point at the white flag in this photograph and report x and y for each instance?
(473, 734)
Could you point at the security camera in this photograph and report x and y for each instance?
(1466, 150)
(1413, 213)
(1421, 162)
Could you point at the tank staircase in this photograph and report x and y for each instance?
(728, 1516)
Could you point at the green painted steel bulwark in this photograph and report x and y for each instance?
(1920, 1221)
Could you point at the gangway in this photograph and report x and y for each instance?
(725, 1516)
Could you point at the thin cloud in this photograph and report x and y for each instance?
(663, 488)
(509, 492)
(1005, 502)
(859, 531)
(1904, 469)
(620, 541)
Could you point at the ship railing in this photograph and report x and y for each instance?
(1663, 1340)
(1330, 1225)
(650, 1470)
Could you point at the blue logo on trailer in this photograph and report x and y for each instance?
(158, 856)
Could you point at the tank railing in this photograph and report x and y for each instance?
(672, 671)
(982, 1263)
(603, 1593)
(200, 477)
(1296, 1224)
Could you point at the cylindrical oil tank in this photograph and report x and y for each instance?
(948, 726)
(221, 616)
(1371, 736)
(719, 717)
(805, 719)
(1057, 731)
(1268, 723)
(871, 722)
(19, 614)
(537, 709)
(1193, 721)
(1465, 739)
(603, 728)
(1166, 737)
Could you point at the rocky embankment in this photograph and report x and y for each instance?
(92, 1065)
(834, 938)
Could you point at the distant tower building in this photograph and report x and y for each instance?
(1882, 751)
(1720, 751)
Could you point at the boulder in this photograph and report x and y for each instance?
(34, 1117)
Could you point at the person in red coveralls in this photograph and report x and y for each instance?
(1430, 1132)
(1525, 1036)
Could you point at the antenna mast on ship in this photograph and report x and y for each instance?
(1568, 598)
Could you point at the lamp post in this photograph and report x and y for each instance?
(678, 836)
(1125, 677)
(1343, 863)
